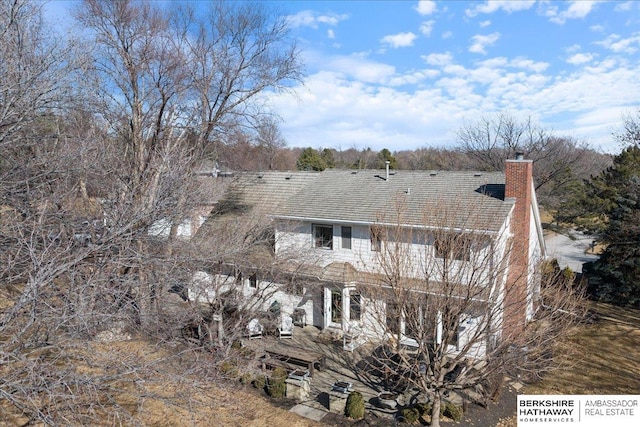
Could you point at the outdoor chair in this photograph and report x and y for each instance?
(286, 327)
(353, 337)
(254, 329)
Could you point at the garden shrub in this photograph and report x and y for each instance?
(260, 382)
(355, 405)
(245, 378)
(452, 411)
(413, 413)
(276, 386)
(228, 369)
(410, 414)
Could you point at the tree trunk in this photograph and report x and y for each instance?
(435, 409)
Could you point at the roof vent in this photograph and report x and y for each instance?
(288, 177)
(477, 174)
(433, 174)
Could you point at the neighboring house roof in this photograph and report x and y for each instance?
(465, 200)
(263, 192)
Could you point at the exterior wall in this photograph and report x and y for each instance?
(298, 239)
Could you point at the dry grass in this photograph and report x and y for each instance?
(149, 386)
(608, 354)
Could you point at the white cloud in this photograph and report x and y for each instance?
(438, 59)
(597, 28)
(491, 6)
(481, 42)
(623, 6)
(580, 58)
(577, 9)
(528, 64)
(399, 40)
(414, 78)
(332, 110)
(426, 7)
(309, 18)
(485, 24)
(331, 34)
(617, 44)
(426, 27)
(447, 35)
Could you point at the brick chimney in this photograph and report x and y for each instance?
(519, 188)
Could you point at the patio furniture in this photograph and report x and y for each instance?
(387, 400)
(295, 356)
(285, 330)
(342, 387)
(299, 374)
(254, 329)
(353, 337)
(299, 317)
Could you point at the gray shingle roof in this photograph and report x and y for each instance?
(466, 200)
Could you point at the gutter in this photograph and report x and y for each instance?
(384, 224)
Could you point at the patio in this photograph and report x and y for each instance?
(335, 365)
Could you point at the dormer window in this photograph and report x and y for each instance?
(323, 236)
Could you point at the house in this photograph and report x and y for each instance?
(334, 233)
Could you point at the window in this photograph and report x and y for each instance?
(336, 306)
(356, 307)
(346, 237)
(393, 317)
(323, 236)
(376, 244)
(455, 247)
(253, 281)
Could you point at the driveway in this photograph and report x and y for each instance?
(569, 250)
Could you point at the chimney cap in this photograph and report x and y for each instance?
(519, 155)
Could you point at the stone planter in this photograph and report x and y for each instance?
(387, 400)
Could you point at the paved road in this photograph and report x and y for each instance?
(569, 251)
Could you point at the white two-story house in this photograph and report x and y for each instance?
(344, 241)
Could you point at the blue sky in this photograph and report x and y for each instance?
(408, 74)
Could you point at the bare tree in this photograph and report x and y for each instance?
(95, 188)
(558, 160)
(449, 309)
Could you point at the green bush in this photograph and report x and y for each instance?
(410, 414)
(280, 374)
(245, 378)
(276, 386)
(228, 369)
(413, 413)
(355, 405)
(260, 382)
(452, 411)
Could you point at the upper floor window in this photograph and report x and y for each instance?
(346, 237)
(323, 236)
(253, 280)
(376, 243)
(455, 247)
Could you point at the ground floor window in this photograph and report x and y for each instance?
(355, 311)
(336, 306)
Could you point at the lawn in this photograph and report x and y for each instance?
(606, 359)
